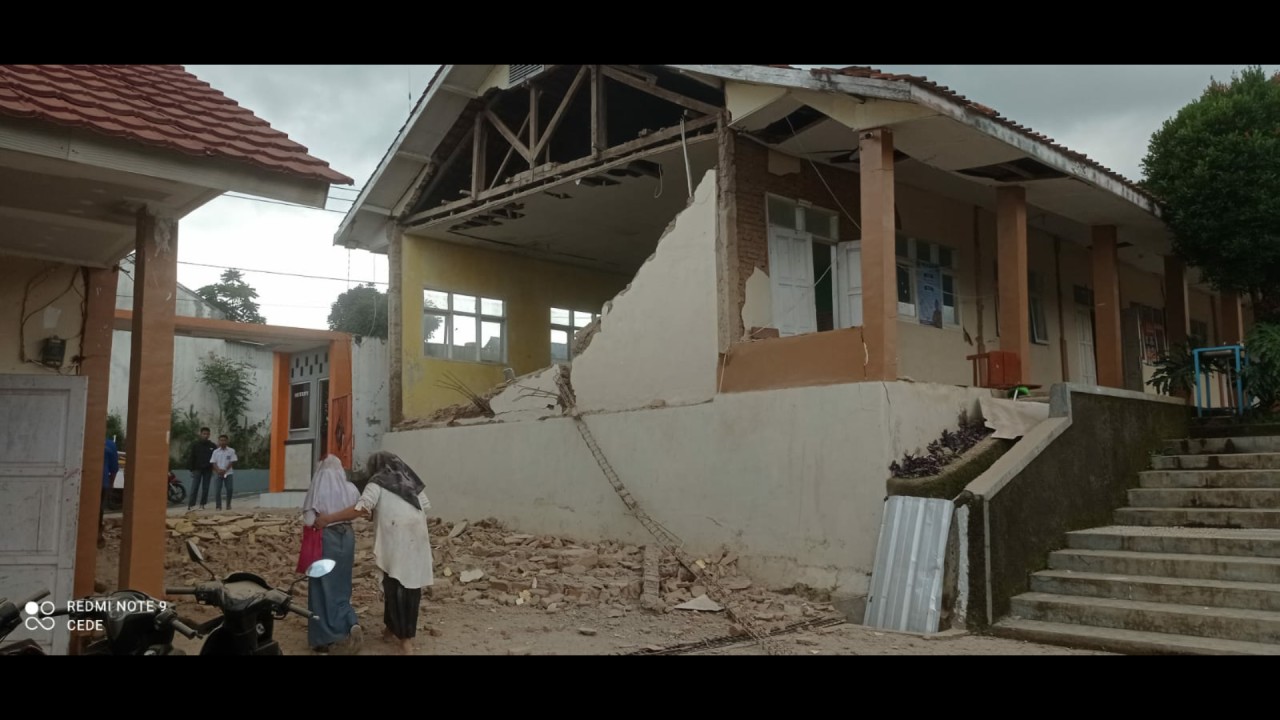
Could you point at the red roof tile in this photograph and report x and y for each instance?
(949, 94)
(157, 105)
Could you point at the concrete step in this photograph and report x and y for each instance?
(1129, 642)
(1237, 461)
(1186, 541)
(1230, 427)
(1195, 567)
(1250, 498)
(1199, 518)
(1219, 623)
(1179, 591)
(1210, 478)
(1218, 446)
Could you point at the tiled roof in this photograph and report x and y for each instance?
(158, 105)
(949, 94)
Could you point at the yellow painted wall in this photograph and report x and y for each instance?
(61, 288)
(529, 287)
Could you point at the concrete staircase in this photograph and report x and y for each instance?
(1191, 566)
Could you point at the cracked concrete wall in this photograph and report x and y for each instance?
(792, 480)
(658, 339)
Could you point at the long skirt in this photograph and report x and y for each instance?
(329, 597)
(400, 609)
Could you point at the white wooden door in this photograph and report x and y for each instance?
(1084, 331)
(849, 284)
(791, 275)
(41, 452)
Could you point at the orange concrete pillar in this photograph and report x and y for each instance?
(1011, 259)
(1176, 312)
(340, 400)
(95, 364)
(879, 267)
(1106, 307)
(150, 404)
(1232, 332)
(279, 420)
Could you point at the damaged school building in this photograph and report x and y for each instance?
(757, 286)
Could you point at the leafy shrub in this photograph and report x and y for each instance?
(943, 451)
(1262, 375)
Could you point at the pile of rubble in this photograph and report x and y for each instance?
(487, 565)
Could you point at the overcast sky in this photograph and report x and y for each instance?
(348, 115)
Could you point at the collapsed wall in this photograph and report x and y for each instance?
(792, 480)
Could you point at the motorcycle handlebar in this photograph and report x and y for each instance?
(301, 612)
(34, 598)
(183, 628)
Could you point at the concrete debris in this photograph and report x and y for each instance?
(701, 603)
(586, 631)
(493, 567)
(458, 529)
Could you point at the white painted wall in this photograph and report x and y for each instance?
(188, 390)
(792, 480)
(658, 339)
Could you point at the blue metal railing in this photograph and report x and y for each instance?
(1239, 359)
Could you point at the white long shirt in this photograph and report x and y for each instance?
(402, 540)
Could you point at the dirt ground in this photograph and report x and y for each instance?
(500, 592)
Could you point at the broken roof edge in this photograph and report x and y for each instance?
(346, 235)
(922, 91)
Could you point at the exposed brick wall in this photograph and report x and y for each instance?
(753, 179)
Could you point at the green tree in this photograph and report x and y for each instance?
(235, 297)
(361, 311)
(1215, 167)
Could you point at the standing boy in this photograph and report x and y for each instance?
(201, 469)
(224, 461)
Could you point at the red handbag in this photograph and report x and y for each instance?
(312, 548)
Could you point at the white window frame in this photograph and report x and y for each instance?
(910, 262)
(571, 330)
(797, 226)
(1036, 310)
(449, 316)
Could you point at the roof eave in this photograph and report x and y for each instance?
(907, 92)
(366, 225)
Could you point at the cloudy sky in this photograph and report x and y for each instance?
(349, 114)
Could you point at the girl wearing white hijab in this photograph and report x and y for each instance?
(329, 597)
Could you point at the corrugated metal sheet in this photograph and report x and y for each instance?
(906, 583)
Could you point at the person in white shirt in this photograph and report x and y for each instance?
(396, 499)
(224, 466)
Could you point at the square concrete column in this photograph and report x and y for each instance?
(879, 265)
(1232, 331)
(150, 404)
(1176, 315)
(95, 364)
(1106, 307)
(1011, 260)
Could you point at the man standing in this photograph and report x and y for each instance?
(110, 466)
(201, 469)
(224, 461)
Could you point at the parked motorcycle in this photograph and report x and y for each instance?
(249, 605)
(10, 619)
(135, 624)
(115, 499)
